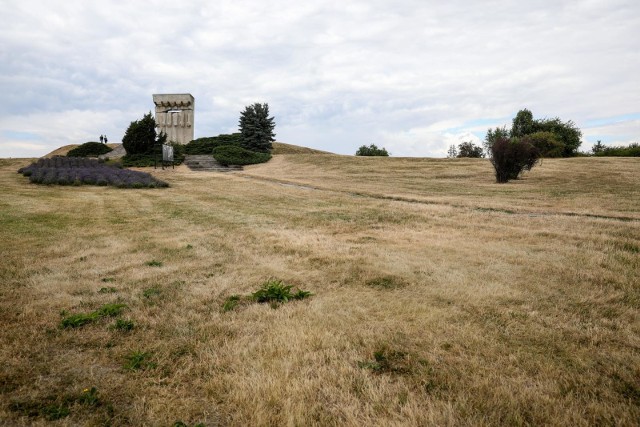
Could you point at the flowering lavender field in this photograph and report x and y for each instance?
(82, 171)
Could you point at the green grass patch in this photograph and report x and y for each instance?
(273, 292)
(152, 292)
(231, 302)
(153, 263)
(138, 360)
(80, 319)
(54, 408)
(124, 325)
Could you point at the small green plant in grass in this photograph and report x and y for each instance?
(107, 290)
(89, 397)
(275, 291)
(154, 263)
(151, 292)
(51, 411)
(77, 320)
(123, 325)
(110, 310)
(231, 302)
(80, 319)
(138, 360)
(108, 279)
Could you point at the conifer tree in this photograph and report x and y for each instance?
(140, 137)
(257, 127)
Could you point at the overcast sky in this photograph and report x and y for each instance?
(412, 76)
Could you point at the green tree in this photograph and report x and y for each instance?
(452, 152)
(493, 135)
(598, 147)
(469, 149)
(523, 124)
(547, 144)
(141, 136)
(566, 132)
(257, 127)
(372, 150)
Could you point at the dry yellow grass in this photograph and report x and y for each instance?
(440, 298)
(282, 148)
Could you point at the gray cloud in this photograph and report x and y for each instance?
(415, 76)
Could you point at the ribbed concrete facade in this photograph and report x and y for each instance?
(175, 115)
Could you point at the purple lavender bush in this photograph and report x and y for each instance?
(83, 171)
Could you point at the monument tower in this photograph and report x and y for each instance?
(174, 116)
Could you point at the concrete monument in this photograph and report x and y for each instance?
(174, 116)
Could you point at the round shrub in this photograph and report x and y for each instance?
(233, 155)
(207, 144)
(89, 149)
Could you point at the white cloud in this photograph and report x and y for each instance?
(349, 72)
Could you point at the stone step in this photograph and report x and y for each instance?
(203, 162)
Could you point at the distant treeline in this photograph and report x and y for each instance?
(631, 150)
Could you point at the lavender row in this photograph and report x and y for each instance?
(87, 172)
(67, 162)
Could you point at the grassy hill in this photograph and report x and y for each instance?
(439, 297)
(282, 148)
(62, 151)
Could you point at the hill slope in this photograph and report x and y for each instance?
(62, 151)
(282, 148)
(439, 297)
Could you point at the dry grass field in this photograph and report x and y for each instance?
(439, 297)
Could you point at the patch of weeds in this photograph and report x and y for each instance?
(82, 258)
(628, 247)
(386, 282)
(50, 410)
(89, 397)
(276, 292)
(124, 325)
(154, 263)
(107, 290)
(386, 360)
(273, 292)
(108, 279)
(189, 247)
(111, 310)
(77, 320)
(81, 319)
(151, 292)
(56, 407)
(138, 360)
(231, 302)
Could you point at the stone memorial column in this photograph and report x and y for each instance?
(175, 116)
